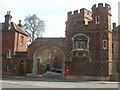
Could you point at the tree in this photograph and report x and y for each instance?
(34, 27)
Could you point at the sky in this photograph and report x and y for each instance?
(53, 12)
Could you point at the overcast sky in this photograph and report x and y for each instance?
(53, 12)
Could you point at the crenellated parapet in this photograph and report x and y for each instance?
(99, 18)
(83, 13)
(101, 8)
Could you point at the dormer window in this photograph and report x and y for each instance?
(21, 40)
(97, 21)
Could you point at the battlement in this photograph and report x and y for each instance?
(80, 14)
(103, 7)
(86, 20)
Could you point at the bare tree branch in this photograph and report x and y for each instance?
(34, 27)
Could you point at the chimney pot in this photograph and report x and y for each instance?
(8, 12)
(20, 21)
(20, 25)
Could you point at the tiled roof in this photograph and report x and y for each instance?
(15, 27)
(19, 29)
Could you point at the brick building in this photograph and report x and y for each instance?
(116, 52)
(89, 41)
(14, 41)
(86, 49)
(56, 47)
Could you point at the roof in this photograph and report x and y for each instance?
(51, 39)
(15, 27)
(116, 29)
(19, 29)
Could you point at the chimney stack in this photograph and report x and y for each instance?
(8, 18)
(114, 25)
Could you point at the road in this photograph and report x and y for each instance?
(51, 80)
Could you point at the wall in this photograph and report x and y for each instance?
(15, 65)
(100, 59)
(38, 43)
(7, 41)
(17, 46)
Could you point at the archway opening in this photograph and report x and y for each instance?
(48, 59)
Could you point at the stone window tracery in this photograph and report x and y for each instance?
(80, 42)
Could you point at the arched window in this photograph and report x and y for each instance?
(80, 41)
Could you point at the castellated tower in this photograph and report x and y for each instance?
(89, 41)
(103, 14)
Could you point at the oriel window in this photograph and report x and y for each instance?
(80, 42)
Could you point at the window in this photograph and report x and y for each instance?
(21, 40)
(80, 42)
(8, 55)
(113, 49)
(104, 44)
(97, 20)
(8, 68)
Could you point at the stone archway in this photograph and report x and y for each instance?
(38, 50)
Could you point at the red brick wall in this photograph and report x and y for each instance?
(7, 41)
(11, 41)
(13, 65)
(36, 45)
(96, 33)
(19, 47)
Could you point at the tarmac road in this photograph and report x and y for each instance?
(51, 80)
